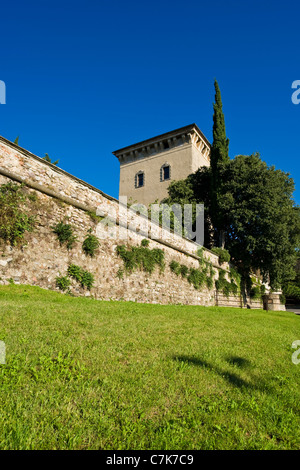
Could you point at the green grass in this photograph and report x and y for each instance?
(85, 374)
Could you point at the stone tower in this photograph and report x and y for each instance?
(148, 167)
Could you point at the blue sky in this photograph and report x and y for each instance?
(86, 78)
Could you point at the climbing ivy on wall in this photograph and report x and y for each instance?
(196, 276)
(227, 287)
(83, 277)
(141, 257)
(223, 254)
(14, 219)
(255, 288)
(204, 275)
(65, 234)
(90, 244)
(63, 282)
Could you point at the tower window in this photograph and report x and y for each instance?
(165, 172)
(139, 179)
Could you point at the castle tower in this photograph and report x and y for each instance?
(148, 167)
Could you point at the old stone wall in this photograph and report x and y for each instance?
(60, 196)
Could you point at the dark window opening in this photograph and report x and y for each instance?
(139, 180)
(166, 172)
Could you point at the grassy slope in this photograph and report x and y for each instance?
(113, 375)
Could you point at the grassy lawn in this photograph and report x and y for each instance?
(85, 374)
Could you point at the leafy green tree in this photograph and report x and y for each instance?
(261, 220)
(195, 189)
(249, 207)
(16, 141)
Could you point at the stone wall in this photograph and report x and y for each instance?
(61, 196)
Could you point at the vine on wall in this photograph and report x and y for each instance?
(65, 234)
(197, 277)
(204, 275)
(90, 244)
(141, 257)
(83, 277)
(14, 219)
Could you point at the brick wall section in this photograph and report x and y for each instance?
(42, 259)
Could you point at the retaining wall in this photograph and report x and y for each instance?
(61, 196)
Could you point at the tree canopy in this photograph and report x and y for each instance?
(247, 202)
(260, 220)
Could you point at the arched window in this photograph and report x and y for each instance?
(165, 172)
(139, 179)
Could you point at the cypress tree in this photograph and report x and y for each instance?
(220, 146)
(219, 160)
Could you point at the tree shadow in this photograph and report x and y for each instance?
(238, 361)
(231, 377)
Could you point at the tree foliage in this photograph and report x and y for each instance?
(248, 203)
(195, 189)
(219, 159)
(14, 218)
(261, 220)
(48, 159)
(259, 217)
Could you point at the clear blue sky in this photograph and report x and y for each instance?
(86, 78)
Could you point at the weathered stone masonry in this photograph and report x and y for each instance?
(42, 259)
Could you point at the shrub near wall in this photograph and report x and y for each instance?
(14, 219)
(90, 245)
(65, 234)
(141, 257)
(204, 275)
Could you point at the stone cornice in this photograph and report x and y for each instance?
(55, 168)
(165, 142)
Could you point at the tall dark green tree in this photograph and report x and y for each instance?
(249, 205)
(206, 185)
(219, 160)
(220, 145)
(262, 221)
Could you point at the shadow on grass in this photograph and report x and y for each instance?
(240, 362)
(230, 377)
